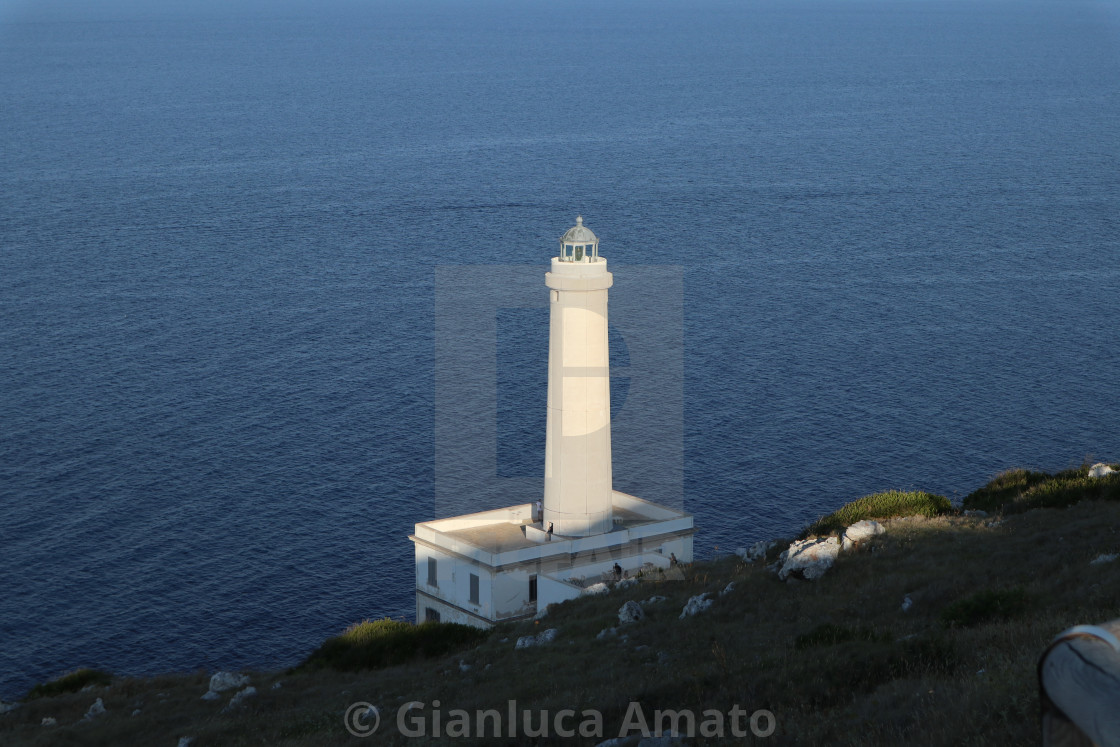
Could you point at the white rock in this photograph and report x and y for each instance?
(631, 612)
(1100, 469)
(545, 636)
(1104, 558)
(5, 707)
(95, 710)
(626, 583)
(599, 588)
(136, 712)
(277, 685)
(211, 695)
(186, 741)
(464, 667)
(653, 600)
(606, 633)
(907, 603)
(49, 721)
(860, 531)
(241, 695)
(728, 589)
(223, 681)
(809, 558)
(696, 605)
(757, 551)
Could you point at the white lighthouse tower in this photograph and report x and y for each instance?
(577, 462)
(508, 563)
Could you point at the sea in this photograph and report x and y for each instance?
(877, 243)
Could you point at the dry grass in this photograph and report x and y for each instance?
(837, 660)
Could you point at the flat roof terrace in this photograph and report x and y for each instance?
(505, 536)
(511, 530)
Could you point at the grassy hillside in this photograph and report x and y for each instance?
(836, 661)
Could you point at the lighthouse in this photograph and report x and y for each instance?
(510, 563)
(577, 462)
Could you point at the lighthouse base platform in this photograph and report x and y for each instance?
(500, 565)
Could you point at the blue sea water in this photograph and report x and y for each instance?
(898, 224)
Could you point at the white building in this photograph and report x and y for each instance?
(506, 564)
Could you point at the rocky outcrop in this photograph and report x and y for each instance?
(1100, 469)
(95, 710)
(540, 639)
(809, 558)
(599, 588)
(223, 681)
(696, 605)
(240, 696)
(631, 612)
(859, 532)
(757, 551)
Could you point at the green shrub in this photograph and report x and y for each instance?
(985, 606)
(71, 682)
(881, 506)
(374, 644)
(1003, 488)
(1020, 490)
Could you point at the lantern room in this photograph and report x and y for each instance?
(579, 244)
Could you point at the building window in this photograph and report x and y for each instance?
(532, 588)
(431, 615)
(474, 588)
(432, 577)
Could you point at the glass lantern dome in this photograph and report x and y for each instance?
(579, 244)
